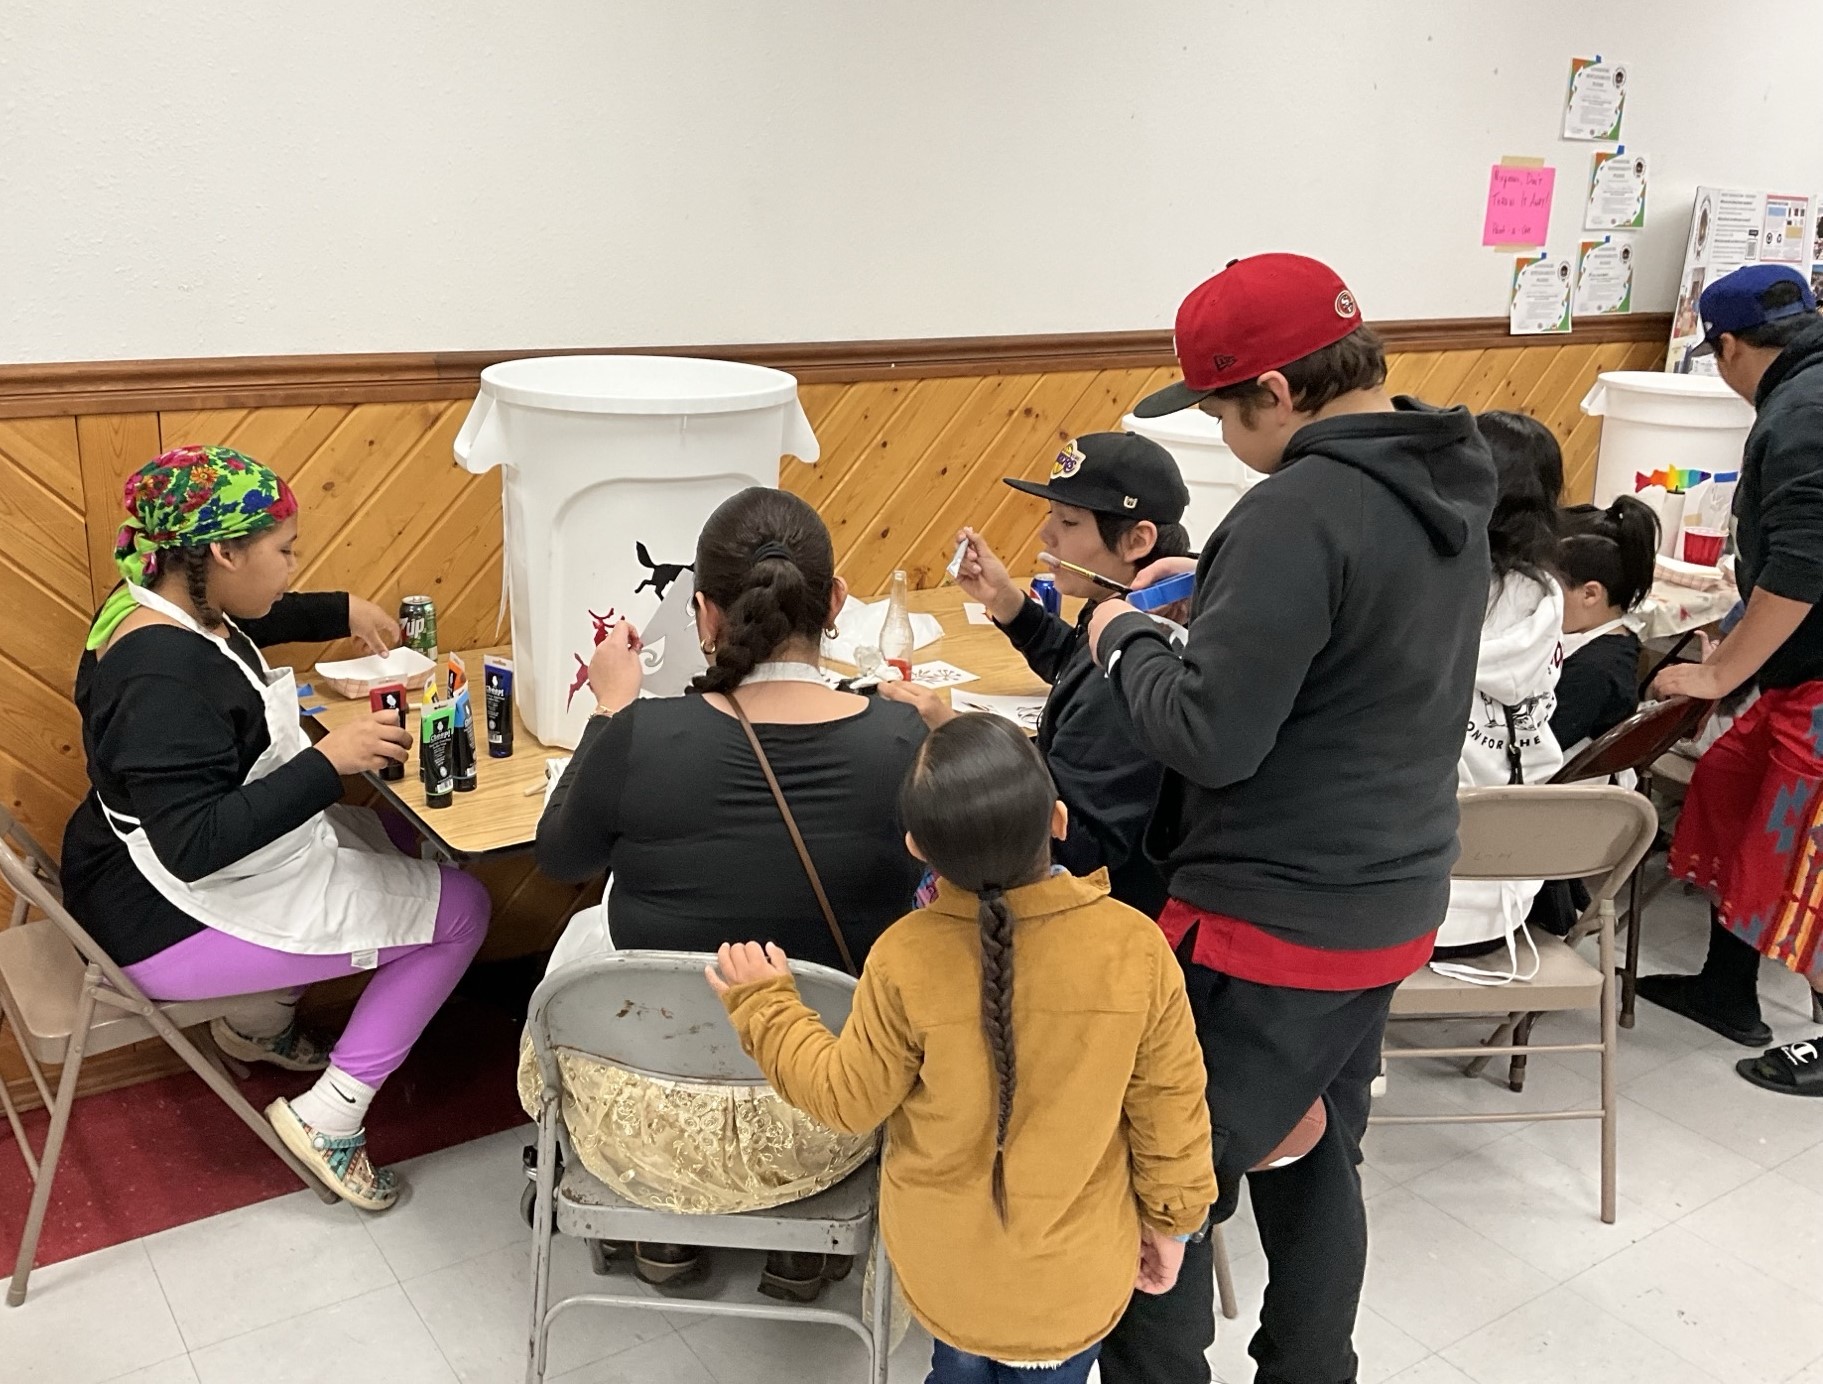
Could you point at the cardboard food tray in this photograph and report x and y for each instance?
(354, 678)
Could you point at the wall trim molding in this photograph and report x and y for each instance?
(136, 386)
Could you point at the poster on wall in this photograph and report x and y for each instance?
(1596, 98)
(1617, 192)
(1730, 227)
(1604, 276)
(1541, 296)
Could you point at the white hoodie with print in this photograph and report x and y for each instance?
(1516, 685)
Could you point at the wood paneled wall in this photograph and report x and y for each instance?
(906, 461)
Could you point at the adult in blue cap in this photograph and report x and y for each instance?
(1751, 830)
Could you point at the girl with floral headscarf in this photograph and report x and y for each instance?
(211, 857)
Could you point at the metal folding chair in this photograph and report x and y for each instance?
(652, 1013)
(65, 999)
(1640, 744)
(1531, 832)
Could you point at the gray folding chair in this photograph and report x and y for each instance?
(1570, 831)
(65, 999)
(652, 1013)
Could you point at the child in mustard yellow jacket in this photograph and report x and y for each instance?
(1047, 1144)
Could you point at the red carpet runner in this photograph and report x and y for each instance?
(166, 1153)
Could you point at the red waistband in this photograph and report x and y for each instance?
(1249, 952)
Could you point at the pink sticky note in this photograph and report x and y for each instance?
(1519, 205)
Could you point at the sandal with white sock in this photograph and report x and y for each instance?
(339, 1160)
(291, 1048)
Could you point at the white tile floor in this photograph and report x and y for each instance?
(1489, 1265)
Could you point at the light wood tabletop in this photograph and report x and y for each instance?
(501, 815)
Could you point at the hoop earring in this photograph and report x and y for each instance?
(708, 650)
(832, 632)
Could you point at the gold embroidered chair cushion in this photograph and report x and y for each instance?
(688, 1147)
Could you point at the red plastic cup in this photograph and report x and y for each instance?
(1703, 546)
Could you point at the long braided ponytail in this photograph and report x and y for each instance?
(978, 803)
(996, 921)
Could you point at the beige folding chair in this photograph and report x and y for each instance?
(64, 1000)
(1570, 831)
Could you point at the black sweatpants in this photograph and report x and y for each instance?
(1270, 1052)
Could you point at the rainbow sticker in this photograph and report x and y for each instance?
(1675, 479)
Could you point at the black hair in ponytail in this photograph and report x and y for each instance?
(1616, 546)
(1522, 532)
(978, 802)
(764, 558)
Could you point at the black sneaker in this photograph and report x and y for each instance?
(1692, 998)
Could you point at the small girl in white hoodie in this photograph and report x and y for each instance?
(1509, 736)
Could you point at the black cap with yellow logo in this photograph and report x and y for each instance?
(1114, 473)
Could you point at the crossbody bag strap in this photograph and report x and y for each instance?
(797, 837)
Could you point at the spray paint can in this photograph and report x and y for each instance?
(1044, 591)
(418, 624)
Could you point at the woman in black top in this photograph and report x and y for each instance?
(667, 796)
(1116, 499)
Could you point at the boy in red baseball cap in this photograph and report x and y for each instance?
(1309, 729)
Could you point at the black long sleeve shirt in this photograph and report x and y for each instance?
(170, 729)
(1106, 780)
(668, 797)
(1778, 504)
(1597, 689)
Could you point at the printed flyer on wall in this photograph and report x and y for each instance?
(1730, 227)
(1597, 95)
(1541, 296)
(1617, 192)
(1604, 276)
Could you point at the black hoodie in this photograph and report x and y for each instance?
(1311, 727)
(1778, 505)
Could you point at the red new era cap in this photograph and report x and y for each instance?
(1258, 314)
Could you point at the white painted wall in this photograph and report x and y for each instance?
(216, 178)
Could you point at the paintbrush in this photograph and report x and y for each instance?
(1095, 577)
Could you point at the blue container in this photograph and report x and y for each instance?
(1044, 587)
(1164, 593)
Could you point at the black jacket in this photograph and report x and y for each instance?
(1311, 726)
(171, 728)
(1778, 505)
(1597, 689)
(1109, 784)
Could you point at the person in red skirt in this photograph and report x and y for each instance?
(1751, 830)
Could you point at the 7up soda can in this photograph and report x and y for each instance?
(418, 624)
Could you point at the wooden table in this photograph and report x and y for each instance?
(501, 815)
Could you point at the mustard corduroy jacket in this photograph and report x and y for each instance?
(1108, 1125)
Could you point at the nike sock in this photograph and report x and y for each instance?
(336, 1105)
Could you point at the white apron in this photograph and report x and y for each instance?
(333, 884)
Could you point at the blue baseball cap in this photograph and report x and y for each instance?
(1732, 302)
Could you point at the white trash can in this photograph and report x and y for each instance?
(610, 466)
(1216, 476)
(1652, 421)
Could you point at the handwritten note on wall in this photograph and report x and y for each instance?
(1519, 205)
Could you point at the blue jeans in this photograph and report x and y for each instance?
(951, 1366)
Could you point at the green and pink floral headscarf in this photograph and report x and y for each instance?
(188, 498)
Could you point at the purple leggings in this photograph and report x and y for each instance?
(409, 987)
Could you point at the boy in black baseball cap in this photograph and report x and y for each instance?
(1116, 502)
(1309, 729)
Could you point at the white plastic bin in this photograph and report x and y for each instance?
(1215, 475)
(610, 466)
(1651, 421)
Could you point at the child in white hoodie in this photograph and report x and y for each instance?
(1509, 733)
